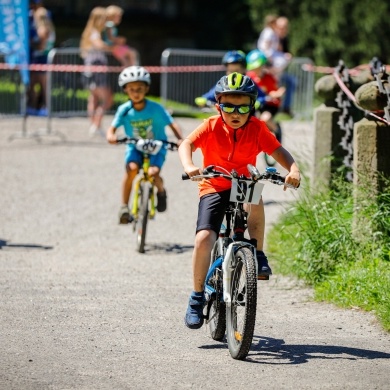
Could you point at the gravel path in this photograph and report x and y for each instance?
(81, 309)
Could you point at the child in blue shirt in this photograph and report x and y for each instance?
(234, 61)
(141, 118)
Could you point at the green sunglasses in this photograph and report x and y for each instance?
(230, 108)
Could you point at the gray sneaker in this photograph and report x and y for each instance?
(124, 215)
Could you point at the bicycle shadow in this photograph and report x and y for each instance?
(166, 247)
(267, 350)
(5, 244)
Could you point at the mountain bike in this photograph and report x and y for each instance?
(231, 281)
(143, 204)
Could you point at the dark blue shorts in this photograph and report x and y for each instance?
(211, 210)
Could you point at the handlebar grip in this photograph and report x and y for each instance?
(184, 176)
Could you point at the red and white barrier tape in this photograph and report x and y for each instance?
(112, 69)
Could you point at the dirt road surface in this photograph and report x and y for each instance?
(81, 309)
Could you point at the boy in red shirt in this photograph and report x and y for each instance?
(231, 140)
(268, 83)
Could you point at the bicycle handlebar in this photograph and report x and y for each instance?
(128, 140)
(270, 175)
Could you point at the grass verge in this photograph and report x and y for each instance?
(347, 261)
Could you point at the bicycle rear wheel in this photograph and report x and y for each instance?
(143, 216)
(241, 315)
(217, 315)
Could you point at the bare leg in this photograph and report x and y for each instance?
(158, 181)
(127, 183)
(92, 104)
(256, 223)
(204, 241)
(99, 101)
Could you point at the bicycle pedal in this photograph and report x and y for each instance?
(263, 277)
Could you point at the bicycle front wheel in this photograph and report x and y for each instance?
(241, 315)
(143, 216)
(217, 315)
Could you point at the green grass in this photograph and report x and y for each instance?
(346, 259)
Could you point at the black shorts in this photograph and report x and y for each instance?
(93, 80)
(211, 210)
(273, 110)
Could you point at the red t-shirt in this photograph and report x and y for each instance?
(268, 83)
(231, 149)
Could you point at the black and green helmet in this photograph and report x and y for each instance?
(236, 83)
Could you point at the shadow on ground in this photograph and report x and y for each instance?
(4, 244)
(266, 350)
(167, 247)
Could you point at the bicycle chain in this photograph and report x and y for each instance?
(345, 121)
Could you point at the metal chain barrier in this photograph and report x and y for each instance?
(345, 119)
(378, 70)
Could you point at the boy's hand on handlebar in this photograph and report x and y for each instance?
(192, 170)
(111, 138)
(293, 179)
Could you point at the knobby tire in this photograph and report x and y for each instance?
(241, 315)
(143, 216)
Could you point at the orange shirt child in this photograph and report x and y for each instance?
(230, 148)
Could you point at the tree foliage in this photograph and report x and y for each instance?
(327, 31)
(222, 25)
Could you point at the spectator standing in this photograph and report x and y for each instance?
(126, 55)
(286, 79)
(42, 40)
(94, 53)
(269, 44)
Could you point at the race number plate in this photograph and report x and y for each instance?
(246, 192)
(150, 146)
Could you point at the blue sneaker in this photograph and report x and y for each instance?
(194, 316)
(264, 270)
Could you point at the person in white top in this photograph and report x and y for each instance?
(269, 44)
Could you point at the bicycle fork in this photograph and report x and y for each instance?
(228, 266)
(137, 193)
(227, 263)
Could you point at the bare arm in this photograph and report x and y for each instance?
(177, 131)
(284, 158)
(110, 136)
(97, 43)
(185, 153)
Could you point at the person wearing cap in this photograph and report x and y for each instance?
(232, 140)
(141, 118)
(258, 71)
(234, 61)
